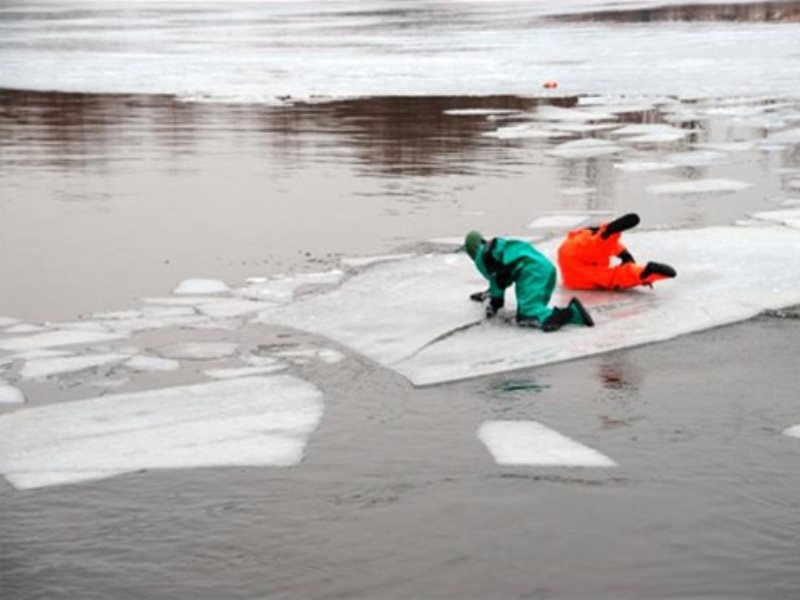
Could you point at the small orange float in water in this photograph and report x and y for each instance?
(550, 85)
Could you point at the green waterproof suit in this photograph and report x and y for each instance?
(505, 262)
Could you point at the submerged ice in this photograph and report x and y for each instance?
(256, 421)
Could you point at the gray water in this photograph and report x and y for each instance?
(397, 498)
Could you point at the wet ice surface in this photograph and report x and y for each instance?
(531, 443)
(257, 422)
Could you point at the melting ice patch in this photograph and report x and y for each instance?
(150, 364)
(10, 394)
(587, 148)
(258, 421)
(52, 339)
(789, 217)
(699, 186)
(531, 443)
(47, 367)
(415, 317)
(201, 286)
(793, 431)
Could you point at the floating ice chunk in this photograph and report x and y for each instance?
(564, 220)
(583, 127)
(244, 371)
(10, 394)
(726, 146)
(700, 158)
(189, 301)
(201, 286)
(640, 129)
(259, 360)
(374, 312)
(24, 328)
(699, 186)
(526, 131)
(330, 356)
(577, 191)
(556, 113)
(283, 289)
(793, 431)
(257, 421)
(789, 137)
(588, 148)
(224, 309)
(7, 321)
(56, 338)
(470, 112)
(47, 367)
(226, 325)
(92, 326)
(789, 217)
(152, 363)
(531, 443)
(44, 353)
(197, 350)
(644, 166)
(371, 260)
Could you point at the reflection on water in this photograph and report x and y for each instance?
(786, 11)
(96, 186)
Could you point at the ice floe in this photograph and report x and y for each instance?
(534, 444)
(46, 367)
(548, 112)
(377, 313)
(471, 112)
(587, 148)
(255, 421)
(224, 309)
(7, 321)
(24, 328)
(699, 186)
(793, 431)
(52, 339)
(788, 217)
(698, 158)
(201, 286)
(10, 394)
(197, 350)
(152, 364)
(643, 166)
(282, 288)
(526, 131)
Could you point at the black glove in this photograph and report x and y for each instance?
(493, 306)
(626, 257)
(479, 296)
(628, 221)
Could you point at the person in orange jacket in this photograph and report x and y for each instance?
(584, 259)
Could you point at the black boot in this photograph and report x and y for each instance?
(479, 296)
(654, 268)
(623, 223)
(576, 306)
(558, 318)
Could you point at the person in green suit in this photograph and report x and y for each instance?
(506, 262)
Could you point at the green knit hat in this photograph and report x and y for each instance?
(472, 242)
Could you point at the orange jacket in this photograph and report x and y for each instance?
(584, 259)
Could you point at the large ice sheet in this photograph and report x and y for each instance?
(53, 339)
(531, 443)
(258, 421)
(414, 316)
